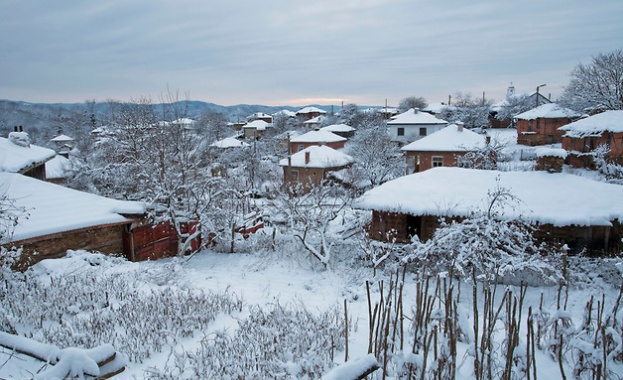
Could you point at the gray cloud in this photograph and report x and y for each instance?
(244, 51)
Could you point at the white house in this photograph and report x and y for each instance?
(413, 125)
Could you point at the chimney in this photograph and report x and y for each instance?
(459, 126)
(306, 158)
(21, 129)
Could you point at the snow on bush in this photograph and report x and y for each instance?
(87, 309)
(280, 342)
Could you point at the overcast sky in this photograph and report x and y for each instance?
(297, 52)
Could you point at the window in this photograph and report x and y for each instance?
(422, 131)
(294, 175)
(437, 161)
(538, 124)
(401, 131)
(300, 147)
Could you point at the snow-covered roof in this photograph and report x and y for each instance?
(338, 128)
(287, 135)
(183, 121)
(319, 136)
(316, 120)
(548, 111)
(229, 142)
(260, 125)
(551, 152)
(52, 208)
(287, 113)
(549, 198)
(62, 138)
(319, 157)
(57, 167)
(437, 107)
(16, 158)
(608, 121)
(413, 117)
(259, 115)
(450, 139)
(309, 110)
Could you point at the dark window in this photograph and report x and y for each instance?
(437, 161)
(401, 131)
(422, 131)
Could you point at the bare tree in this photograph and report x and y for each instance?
(473, 112)
(309, 215)
(412, 102)
(597, 85)
(377, 157)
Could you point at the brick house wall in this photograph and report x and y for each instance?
(390, 226)
(586, 145)
(540, 131)
(105, 239)
(387, 226)
(306, 177)
(297, 147)
(426, 160)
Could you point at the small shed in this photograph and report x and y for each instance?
(310, 166)
(539, 126)
(569, 209)
(581, 138)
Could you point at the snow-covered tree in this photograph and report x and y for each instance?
(213, 126)
(484, 242)
(378, 159)
(309, 216)
(162, 163)
(473, 112)
(484, 158)
(514, 105)
(597, 85)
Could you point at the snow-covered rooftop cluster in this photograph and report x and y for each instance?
(452, 138)
(548, 111)
(15, 158)
(413, 116)
(318, 157)
(558, 199)
(608, 121)
(50, 208)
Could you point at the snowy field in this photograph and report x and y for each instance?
(307, 304)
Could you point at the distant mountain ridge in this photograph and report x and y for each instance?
(45, 115)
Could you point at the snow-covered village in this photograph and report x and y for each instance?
(459, 218)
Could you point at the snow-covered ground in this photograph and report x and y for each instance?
(261, 280)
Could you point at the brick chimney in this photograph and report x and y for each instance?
(307, 158)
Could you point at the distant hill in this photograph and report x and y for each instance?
(51, 115)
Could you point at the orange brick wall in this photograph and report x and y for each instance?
(426, 159)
